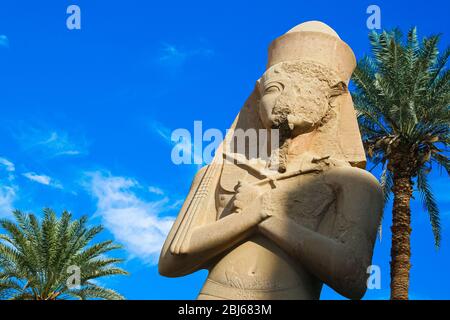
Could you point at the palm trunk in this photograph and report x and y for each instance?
(401, 233)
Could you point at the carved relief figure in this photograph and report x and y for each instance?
(279, 228)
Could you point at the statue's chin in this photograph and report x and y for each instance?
(300, 126)
(297, 131)
(297, 126)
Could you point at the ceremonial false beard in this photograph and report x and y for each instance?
(279, 157)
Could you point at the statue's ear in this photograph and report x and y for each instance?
(338, 89)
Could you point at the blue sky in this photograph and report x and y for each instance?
(86, 115)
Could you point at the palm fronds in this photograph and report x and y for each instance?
(402, 99)
(36, 257)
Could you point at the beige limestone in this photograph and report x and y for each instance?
(280, 228)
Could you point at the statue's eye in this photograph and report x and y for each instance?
(272, 89)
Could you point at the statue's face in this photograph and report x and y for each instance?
(298, 94)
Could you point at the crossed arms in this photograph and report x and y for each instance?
(341, 262)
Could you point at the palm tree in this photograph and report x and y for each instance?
(42, 260)
(402, 99)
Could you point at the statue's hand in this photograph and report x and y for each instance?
(253, 200)
(245, 195)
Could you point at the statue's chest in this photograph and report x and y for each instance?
(305, 198)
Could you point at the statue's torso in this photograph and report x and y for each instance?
(258, 268)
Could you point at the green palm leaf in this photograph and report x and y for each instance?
(430, 205)
(402, 100)
(35, 258)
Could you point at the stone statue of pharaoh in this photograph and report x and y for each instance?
(281, 227)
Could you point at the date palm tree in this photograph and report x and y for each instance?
(54, 259)
(402, 99)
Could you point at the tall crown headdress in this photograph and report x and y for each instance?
(314, 41)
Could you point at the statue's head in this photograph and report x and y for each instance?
(300, 93)
(304, 93)
(308, 67)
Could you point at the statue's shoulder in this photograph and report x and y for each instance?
(349, 177)
(230, 177)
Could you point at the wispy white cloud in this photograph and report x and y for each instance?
(155, 190)
(7, 197)
(129, 215)
(183, 145)
(9, 166)
(170, 53)
(7, 189)
(164, 132)
(42, 179)
(173, 55)
(176, 205)
(4, 41)
(50, 142)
